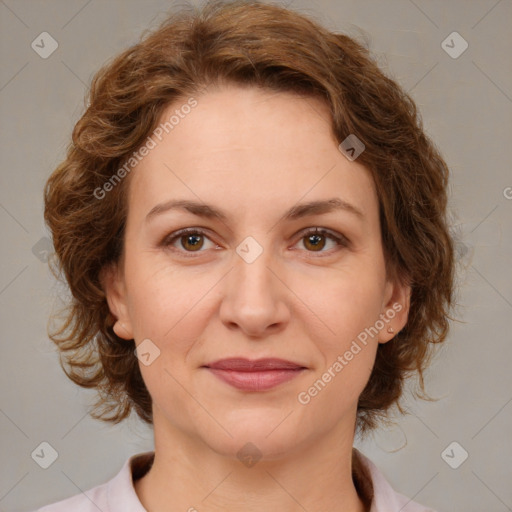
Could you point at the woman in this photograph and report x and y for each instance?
(252, 223)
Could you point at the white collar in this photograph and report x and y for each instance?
(122, 497)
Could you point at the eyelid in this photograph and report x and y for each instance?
(326, 232)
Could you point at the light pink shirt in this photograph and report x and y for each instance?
(118, 494)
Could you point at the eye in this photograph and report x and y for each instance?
(190, 240)
(316, 239)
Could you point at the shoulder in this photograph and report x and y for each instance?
(118, 494)
(88, 501)
(382, 496)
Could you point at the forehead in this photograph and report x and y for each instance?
(249, 148)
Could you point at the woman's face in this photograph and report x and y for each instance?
(250, 280)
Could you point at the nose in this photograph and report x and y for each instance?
(255, 297)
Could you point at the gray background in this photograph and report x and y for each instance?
(466, 104)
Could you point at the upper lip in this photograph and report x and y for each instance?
(254, 365)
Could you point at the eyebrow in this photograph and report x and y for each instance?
(295, 212)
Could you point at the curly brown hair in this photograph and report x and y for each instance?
(261, 45)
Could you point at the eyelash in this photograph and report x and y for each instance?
(170, 239)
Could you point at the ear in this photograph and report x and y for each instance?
(112, 282)
(395, 308)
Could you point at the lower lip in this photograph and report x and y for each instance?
(256, 381)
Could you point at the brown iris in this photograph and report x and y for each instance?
(193, 242)
(316, 241)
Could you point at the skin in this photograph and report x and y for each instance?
(253, 154)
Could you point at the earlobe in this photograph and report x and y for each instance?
(113, 286)
(122, 331)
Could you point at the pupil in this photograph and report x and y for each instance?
(315, 240)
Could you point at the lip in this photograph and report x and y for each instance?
(254, 375)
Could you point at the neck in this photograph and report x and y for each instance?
(187, 475)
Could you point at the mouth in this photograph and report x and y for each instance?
(254, 375)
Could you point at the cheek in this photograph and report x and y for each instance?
(162, 298)
(347, 302)
(345, 345)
